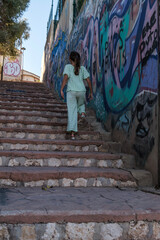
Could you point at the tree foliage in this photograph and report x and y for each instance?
(12, 28)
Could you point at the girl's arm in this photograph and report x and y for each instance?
(64, 82)
(90, 87)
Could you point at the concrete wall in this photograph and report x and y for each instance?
(117, 41)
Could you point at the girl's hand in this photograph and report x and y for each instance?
(91, 96)
(62, 94)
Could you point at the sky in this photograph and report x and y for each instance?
(37, 15)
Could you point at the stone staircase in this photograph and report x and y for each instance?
(41, 167)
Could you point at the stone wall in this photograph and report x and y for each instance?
(117, 41)
(88, 231)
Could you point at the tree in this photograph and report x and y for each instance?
(12, 28)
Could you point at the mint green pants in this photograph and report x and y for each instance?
(75, 105)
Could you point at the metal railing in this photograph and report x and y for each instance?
(77, 4)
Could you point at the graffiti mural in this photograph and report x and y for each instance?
(118, 44)
(119, 48)
(59, 58)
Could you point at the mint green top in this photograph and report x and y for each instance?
(75, 82)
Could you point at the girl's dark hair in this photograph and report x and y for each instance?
(75, 57)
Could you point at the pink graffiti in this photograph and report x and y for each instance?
(12, 69)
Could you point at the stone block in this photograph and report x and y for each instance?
(52, 136)
(97, 183)
(111, 231)
(138, 231)
(77, 148)
(8, 135)
(20, 135)
(34, 184)
(28, 232)
(85, 149)
(87, 162)
(19, 146)
(51, 232)
(73, 162)
(66, 182)
(83, 231)
(4, 234)
(1, 162)
(31, 136)
(54, 162)
(7, 182)
(118, 164)
(128, 184)
(1, 147)
(80, 182)
(13, 162)
(53, 183)
(156, 231)
(103, 163)
(33, 162)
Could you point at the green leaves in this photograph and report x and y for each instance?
(12, 28)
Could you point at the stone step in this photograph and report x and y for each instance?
(33, 124)
(23, 84)
(11, 90)
(28, 100)
(22, 115)
(34, 105)
(59, 145)
(65, 177)
(33, 117)
(63, 159)
(73, 213)
(33, 110)
(30, 133)
(30, 96)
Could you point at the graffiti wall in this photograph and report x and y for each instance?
(117, 40)
(12, 68)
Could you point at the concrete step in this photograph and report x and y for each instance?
(59, 145)
(65, 177)
(62, 158)
(73, 213)
(31, 133)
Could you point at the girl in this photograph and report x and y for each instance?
(74, 74)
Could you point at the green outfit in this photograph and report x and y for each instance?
(75, 94)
